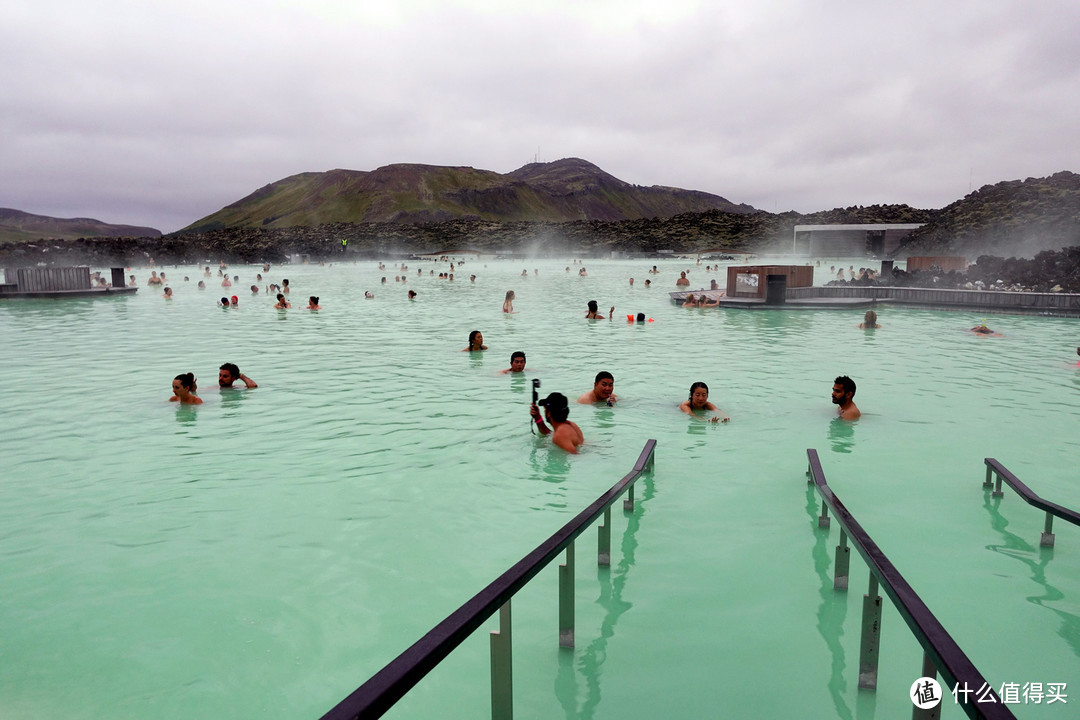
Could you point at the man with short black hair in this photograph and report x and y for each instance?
(842, 393)
(564, 433)
(517, 363)
(603, 390)
(229, 373)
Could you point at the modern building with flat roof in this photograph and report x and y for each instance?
(850, 240)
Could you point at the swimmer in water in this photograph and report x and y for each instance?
(564, 434)
(313, 303)
(843, 392)
(593, 314)
(690, 301)
(603, 390)
(412, 294)
(168, 293)
(282, 303)
(184, 387)
(254, 289)
(476, 342)
(508, 303)
(682, 281)
(517, 363)
(983, 330)
(699, 400)
(869, 321)
(230, 373)
(234, 301)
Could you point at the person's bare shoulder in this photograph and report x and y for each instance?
(587, 399)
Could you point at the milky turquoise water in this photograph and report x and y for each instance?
(266, 552)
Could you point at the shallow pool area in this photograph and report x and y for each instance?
(266, 552)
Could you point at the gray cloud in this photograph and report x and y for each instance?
(151, 115)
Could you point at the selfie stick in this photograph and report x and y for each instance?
(536, 396)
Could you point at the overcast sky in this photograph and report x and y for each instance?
(151, 113)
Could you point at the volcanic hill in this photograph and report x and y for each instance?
(19, 226)
(561, 191)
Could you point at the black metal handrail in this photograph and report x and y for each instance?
(390, 684)
(993, 467)
(938, 646)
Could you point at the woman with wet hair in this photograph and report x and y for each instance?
(313, 303)
(184, 387)
(699, 401)
(869, 321)
(282, 303)
(508, 303)
(476, 342)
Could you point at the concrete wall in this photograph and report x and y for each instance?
(1053, 303)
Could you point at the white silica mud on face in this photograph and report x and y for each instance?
(269, 550)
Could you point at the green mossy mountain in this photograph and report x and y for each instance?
(562, 191)
(1014, 218)
(17, 226)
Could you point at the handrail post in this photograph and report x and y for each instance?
(1047, 538)
(603, 540)
(871, 636)
(502, 668)
(989, 481)
(928, 670)
(823, 519)
(566, 600)
(843, 562)
(997, 487)
(628, 503)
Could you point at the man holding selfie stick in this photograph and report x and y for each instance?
(564, 433)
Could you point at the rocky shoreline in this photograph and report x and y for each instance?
(687, 233)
